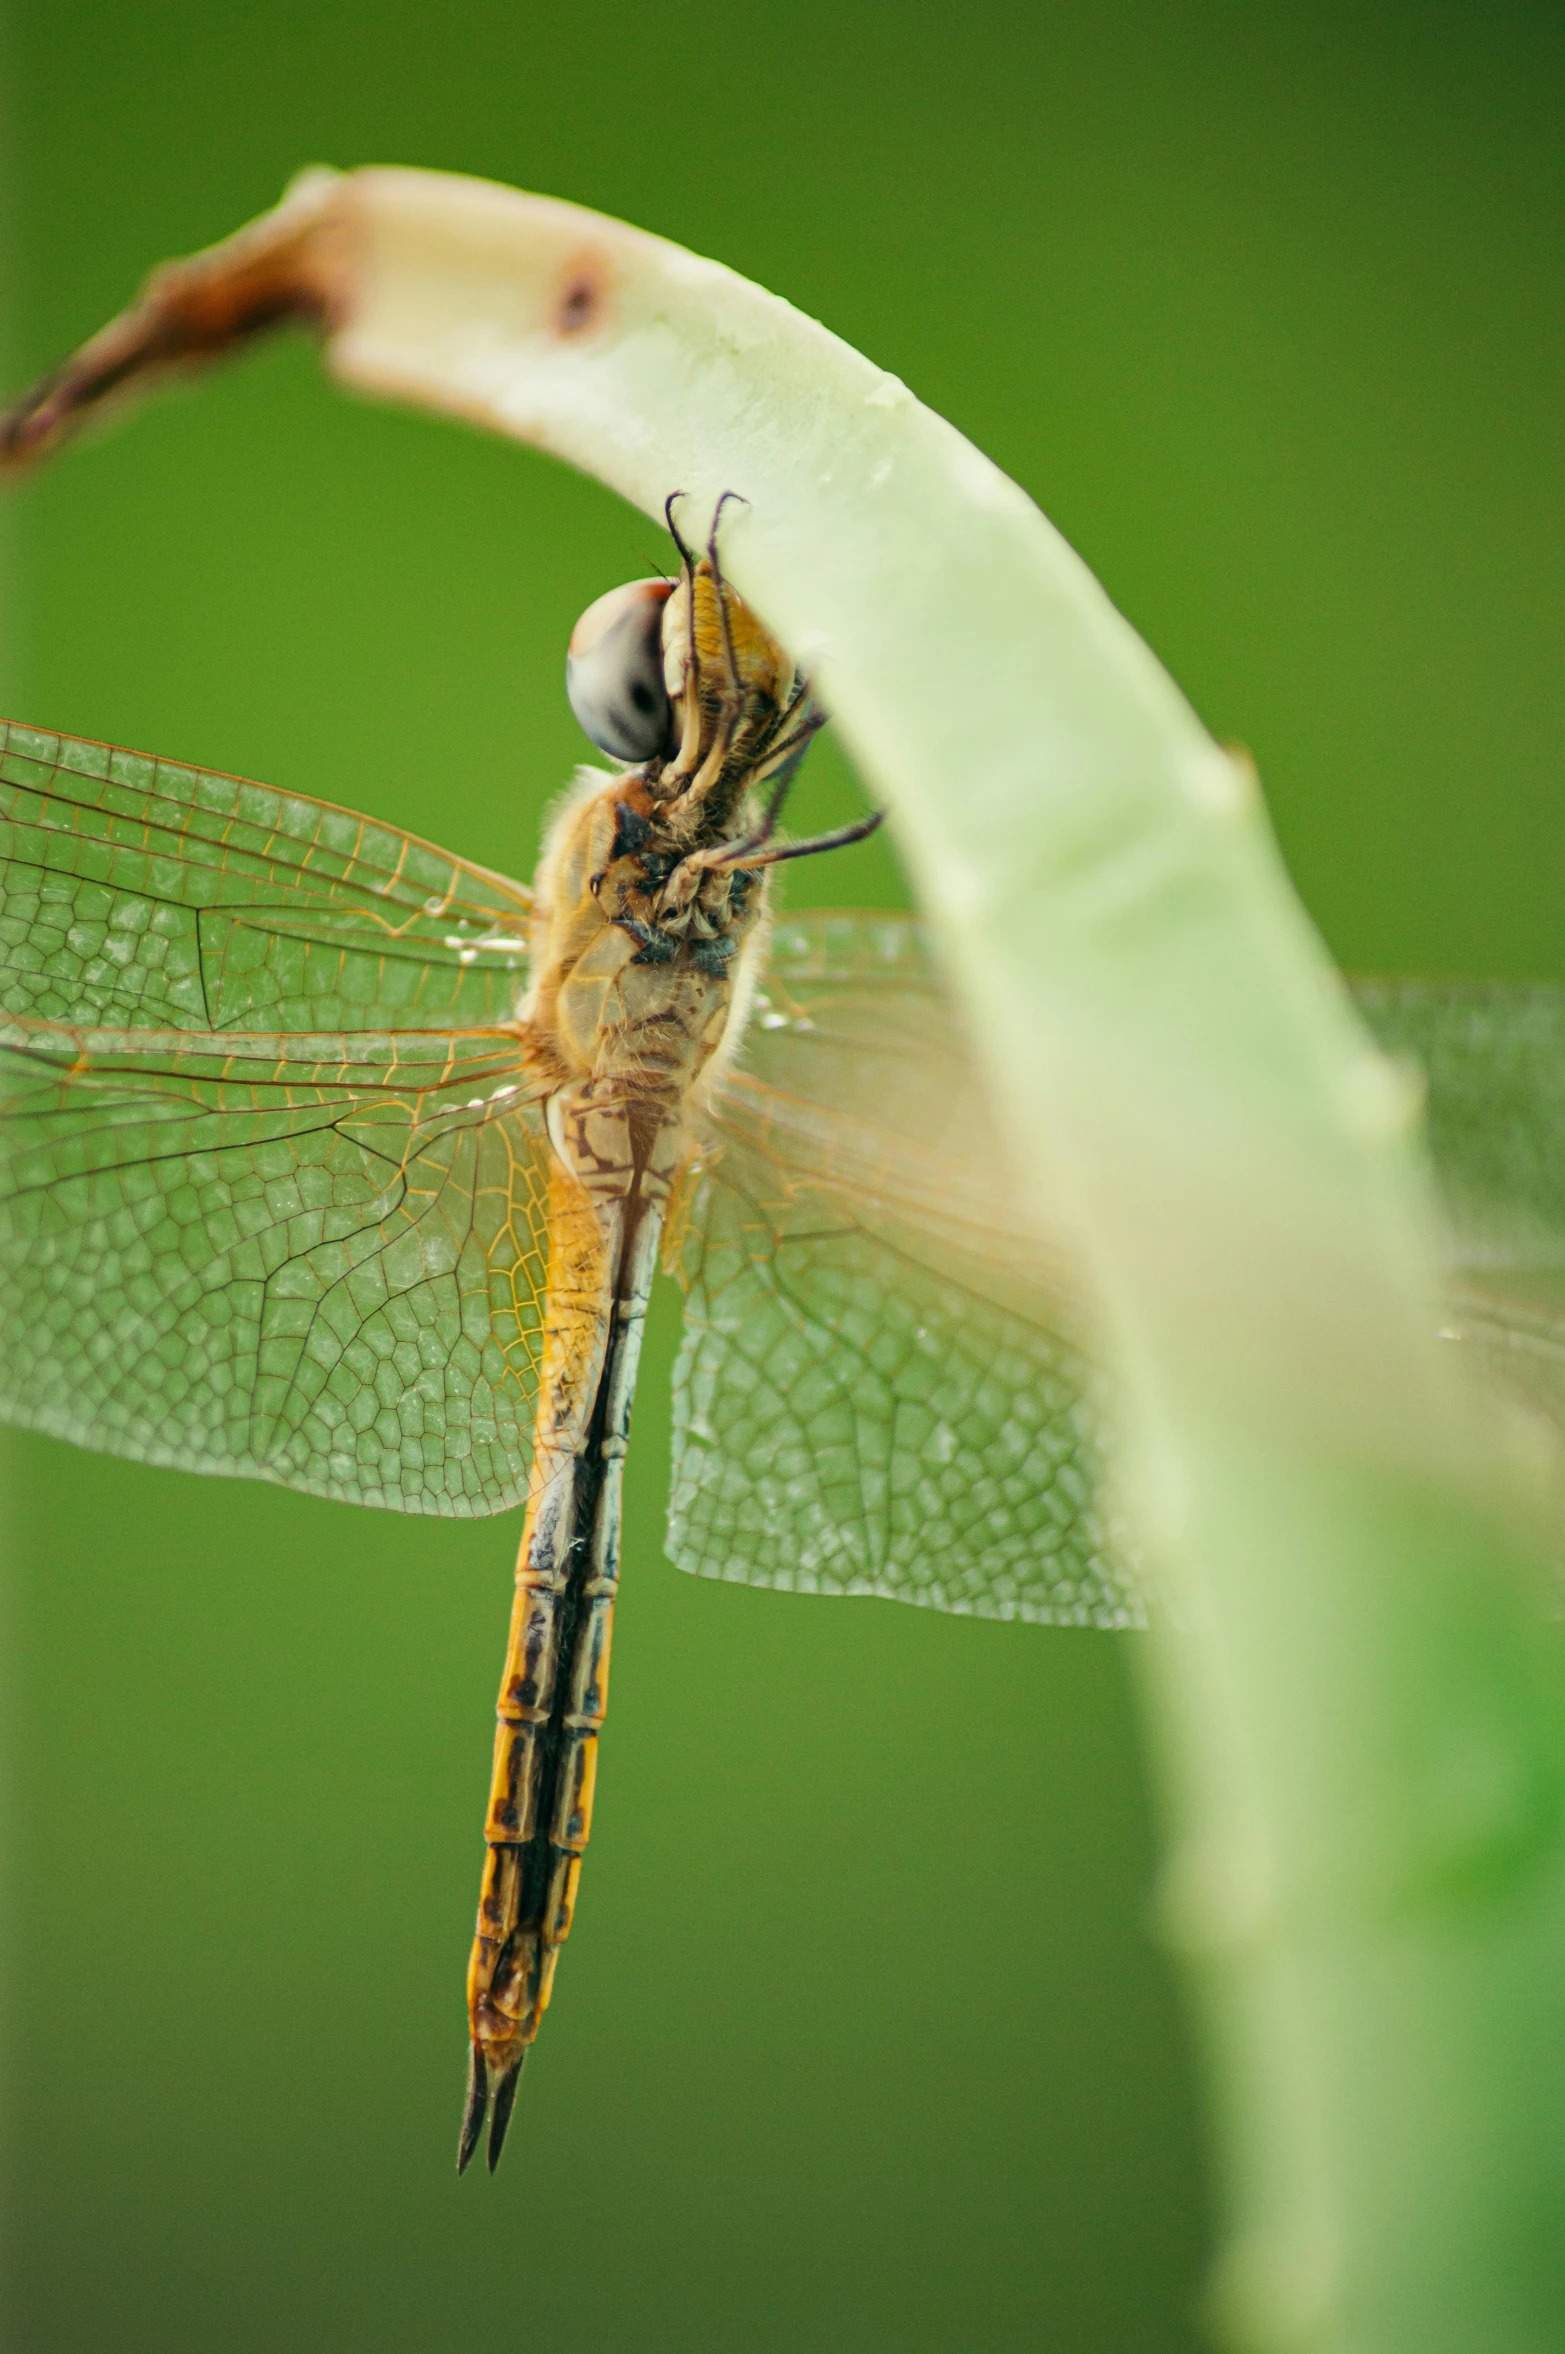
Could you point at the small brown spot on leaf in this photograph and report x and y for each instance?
(583, 298)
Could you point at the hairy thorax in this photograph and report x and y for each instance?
(643, 951)
(649, 913)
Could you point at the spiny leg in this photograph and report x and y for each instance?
(700, 781)
(685, 555)
(725, 618)
(838, 839)
(789, 752)
(690, 739)
(732, 701)
(790, 739)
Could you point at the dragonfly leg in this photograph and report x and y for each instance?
(835, 840)
(725, 617)
(782, 765)
(776, 754)
(687, 758)
(711, 772)
(717, 709)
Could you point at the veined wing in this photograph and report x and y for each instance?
(135, 890)
(883, 1387)
(317, 1260)
(1493, 1058)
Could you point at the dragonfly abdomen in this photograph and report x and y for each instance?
(554, 1689)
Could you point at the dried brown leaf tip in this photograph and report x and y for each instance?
(282, 270)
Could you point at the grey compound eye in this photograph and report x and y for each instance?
(614, 672)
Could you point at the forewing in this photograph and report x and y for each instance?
(316, 1260)
(134, 890)
(883, 1386)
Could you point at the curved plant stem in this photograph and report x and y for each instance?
(1359, 1725)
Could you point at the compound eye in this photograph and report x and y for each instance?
(614, 672)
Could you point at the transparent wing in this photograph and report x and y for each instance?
(1493, 1059)
(882, 1386)
(317, 1260)
(134, 891)
(886, 1386)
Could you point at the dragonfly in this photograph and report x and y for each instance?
(332, 1159)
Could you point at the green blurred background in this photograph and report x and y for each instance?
(864, 2040)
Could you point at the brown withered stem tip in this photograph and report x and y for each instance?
(280, 271)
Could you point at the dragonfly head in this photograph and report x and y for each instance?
(682, 678)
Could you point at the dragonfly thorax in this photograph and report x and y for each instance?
(643, 952)
(648, 909)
